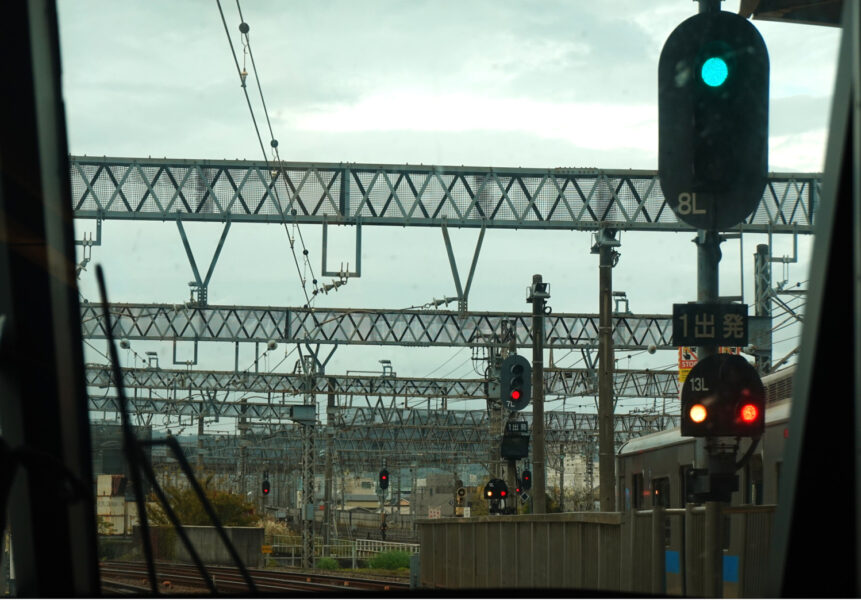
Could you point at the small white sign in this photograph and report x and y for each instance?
(466, 511)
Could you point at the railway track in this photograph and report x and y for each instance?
(112, 587)
(116, 574)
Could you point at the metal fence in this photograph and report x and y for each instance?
(287, 551)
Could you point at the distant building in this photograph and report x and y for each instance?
(115, 515)
(578, 476)
(437, 493)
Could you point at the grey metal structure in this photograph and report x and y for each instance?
(215, 407)
(562, 382)
(364, 326)
(366, 435)
(471, 426)
(405, 195)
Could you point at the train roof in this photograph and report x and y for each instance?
(774, 413)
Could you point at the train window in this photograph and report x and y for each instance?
(661, 492)
(637, 490)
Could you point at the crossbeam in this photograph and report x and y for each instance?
(403, 435)
(145, 189)
(365, 326)
(629, 383)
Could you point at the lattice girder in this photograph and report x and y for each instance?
(365, 326)
(566, 383)
(405, 195)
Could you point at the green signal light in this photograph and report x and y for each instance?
(714, 72)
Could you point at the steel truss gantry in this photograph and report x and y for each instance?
(388, 428)
(182, 322)
(365, 435)
(405, 195)
(181, 383)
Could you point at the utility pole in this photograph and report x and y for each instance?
(562, 480)
(494, 407)
(309, 369)
(327, 486)
(538, 296)
(327, 489)
(200, 441)
(243, 430)
(762, 303)
(608, 257)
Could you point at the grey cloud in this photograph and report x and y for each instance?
(798, 114)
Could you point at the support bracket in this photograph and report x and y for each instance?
(344, 272)
(185, 362)
(88, 242)
(199, 287)
(462, 292)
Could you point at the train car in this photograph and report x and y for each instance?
(651, 469)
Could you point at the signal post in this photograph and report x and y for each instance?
(712, 163)
(538, 295)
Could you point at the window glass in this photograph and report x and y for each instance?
(661, 492)
(338, 215)
(637, 491)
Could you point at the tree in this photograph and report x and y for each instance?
(478, 505)
(231, 509)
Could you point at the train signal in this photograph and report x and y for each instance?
(713, 119)
(265, 487)
(384, 479)
(515, 382)
(527, 479)
(723, 396)
(496, 489)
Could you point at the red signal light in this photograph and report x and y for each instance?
(503, 493)
(748, 413)
(515, 394)
(385, 477)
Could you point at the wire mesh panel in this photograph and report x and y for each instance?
(363, 326)
(255, 191)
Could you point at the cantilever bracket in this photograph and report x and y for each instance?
(785, 259)
(345, 271)
(88, 241)
(200, 286)
(320, 367)
(185, 362)
(462, 292)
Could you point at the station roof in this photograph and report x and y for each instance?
(808, 12)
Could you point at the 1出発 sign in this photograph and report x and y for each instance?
(710, 324)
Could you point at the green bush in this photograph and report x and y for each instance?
(393, 559)
(326, 562)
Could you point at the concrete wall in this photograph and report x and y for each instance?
(654, 552)
(248, 542)
(568, 550)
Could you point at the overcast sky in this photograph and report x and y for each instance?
(538, 84)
